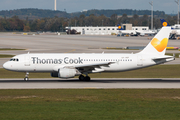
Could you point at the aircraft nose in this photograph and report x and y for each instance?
(6, 66)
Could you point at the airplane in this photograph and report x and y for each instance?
(126, 32)
(145, 32)
(69, 65)
(135, 32)
(175, 30)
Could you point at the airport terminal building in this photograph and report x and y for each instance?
(105, 30)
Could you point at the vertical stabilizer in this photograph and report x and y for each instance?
(164, 23)
(120, 27)
(158, 44)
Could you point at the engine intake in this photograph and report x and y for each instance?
(54, 74)
(65, 73)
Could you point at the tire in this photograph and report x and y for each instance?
(26, 79)
(81, 77)
(87, 78)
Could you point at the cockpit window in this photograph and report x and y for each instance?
(14, 59)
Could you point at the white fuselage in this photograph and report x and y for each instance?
(52, 62)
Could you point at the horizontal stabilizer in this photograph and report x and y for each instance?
(162, 57)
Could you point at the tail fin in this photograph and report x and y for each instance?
(164, 23)
(119, 27)
(158, 44)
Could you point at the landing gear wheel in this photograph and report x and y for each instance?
(81, 77)
(26, 79)
(26, 76)
(87, 78)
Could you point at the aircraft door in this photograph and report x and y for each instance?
(139, 60)
(26, 60)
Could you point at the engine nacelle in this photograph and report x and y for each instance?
(54, 74)
(66, 73)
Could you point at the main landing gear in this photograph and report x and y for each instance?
(84, 78)
(26, 76)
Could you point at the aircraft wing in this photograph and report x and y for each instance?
(93, 68)
(86, 67)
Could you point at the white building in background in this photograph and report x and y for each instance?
(140, 28)
(104, 30)
(95, 30)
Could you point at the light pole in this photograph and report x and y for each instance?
(55, 5)
(151, 3)
(177, 1)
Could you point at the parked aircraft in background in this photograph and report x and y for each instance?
(126, 32)
(146, 32)
(175, 29)
(71, 65)
(136, 32)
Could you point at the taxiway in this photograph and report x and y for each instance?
(95, 83)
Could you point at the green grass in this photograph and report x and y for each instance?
(176, 54)
(96, 104)
(6, 56)
(159, 71)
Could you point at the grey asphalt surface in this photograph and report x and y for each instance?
(79, 44)
(95, 83)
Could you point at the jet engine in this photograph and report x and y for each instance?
(65, 73)
(54, 74)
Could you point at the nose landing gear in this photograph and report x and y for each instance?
(26, 76)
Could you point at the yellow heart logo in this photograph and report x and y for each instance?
(119, 27)
(159, 45)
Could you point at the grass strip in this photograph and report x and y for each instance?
(97, 104)
(6, 56)
(171, 54)
(159, 71)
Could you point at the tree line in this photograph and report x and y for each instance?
(59, 23)
(33, 13)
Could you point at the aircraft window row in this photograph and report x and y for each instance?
(14, 59)
(112, 60)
